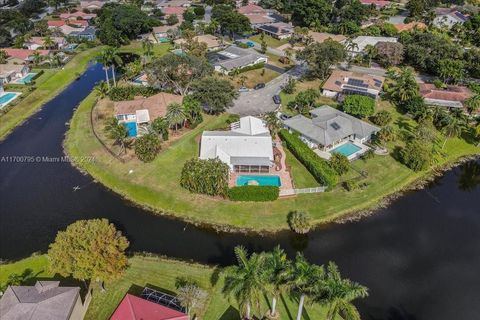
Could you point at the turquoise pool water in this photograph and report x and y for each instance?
(346, 149)
(261, 180)
(6, 98)
(27, 79)
(132, 128)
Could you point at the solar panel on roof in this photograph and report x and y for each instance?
(357, 83)
(354, 88)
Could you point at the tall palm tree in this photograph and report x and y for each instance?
(339, 293)
(277, 265)
(370, 52)
(37, 57)
(246, 281)
(160, 126)
(110, 57)
(350, 47)
(302, 278)
(147, 46)
(405, 87)
(272, 122)
(48, 42)
(103, 59)
(117, 132)
(175, 115)
(454, 127)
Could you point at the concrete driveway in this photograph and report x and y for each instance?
(258, 102)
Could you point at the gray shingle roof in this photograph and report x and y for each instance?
(44, 301)
(234, 57)
(329, 125)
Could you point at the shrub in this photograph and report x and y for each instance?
(130, 92)
(254, 193)
(242, 45)
(318, 167)
(359, 106)
(351, 185)
(199, 11)
(381, 118)
(339, 163)
(416, 155)
(289, 87)
(248, 68)
(299, 222)
(205, 176)
(369, 154)
(386, 134)
(147, 147)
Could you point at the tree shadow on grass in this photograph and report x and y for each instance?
(289, 314)
(230, 314)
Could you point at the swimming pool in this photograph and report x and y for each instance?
(132, 128)
(7, 97)
(26, 79)
(260, 180)
(346, 149)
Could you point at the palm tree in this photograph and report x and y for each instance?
(454, 127)
(102, 89)
(56, 60)
(103, 59)
(405, 87)
(147, 46)
(246, 280)
(339, 293)
(114, 59)
(350, 47)
(302, 278)
(37, 57)
(370, 52)
(277, 265)
(175, 115)
(48, 42)
(160, 126)
(116, 131)
(473, 103)
(272, 122)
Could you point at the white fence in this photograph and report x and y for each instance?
(310, 190)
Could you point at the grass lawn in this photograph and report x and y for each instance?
(301, 177)
(271, 42)
(156, 184)
(46, 90)
(275, 60)
(159, 49)
(161, 274)
(252, 77)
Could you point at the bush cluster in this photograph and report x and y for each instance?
(299, 221)
(205, 176)
(416, 155)
(318, 167)
(359, 106)
(130, 92)
(254, 193)
(147, 147)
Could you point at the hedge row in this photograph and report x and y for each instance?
(248, 68)
(318, 167)
(130, 92)
(253, 193)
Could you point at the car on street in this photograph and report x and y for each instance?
(276, 99)
(250, 44)
(260, 85)
(243, 89)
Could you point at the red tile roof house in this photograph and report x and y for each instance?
(251, 9)
(451, 97)
(178, 11)
(379, 4)
(78, 14)
(60, 23)
(135, 308)
(24, 54)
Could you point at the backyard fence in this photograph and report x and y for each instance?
(310, 190)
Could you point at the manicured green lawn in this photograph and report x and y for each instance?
(161, 274)
(45, 91)
(301, 177)
(136, 47)
(271, 42)
(156, 184)
(252, 77)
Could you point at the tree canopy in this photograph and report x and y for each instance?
(321, 56)
(214, 93)
(89, 250)
(230, 20)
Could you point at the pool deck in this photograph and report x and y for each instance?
(17, 94)
(286, 189)
(327, 154)
(18, 81)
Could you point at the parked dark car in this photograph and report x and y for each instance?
(276, 99)
(259, 86)
(284, 116)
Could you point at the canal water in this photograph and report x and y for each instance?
(420, 257)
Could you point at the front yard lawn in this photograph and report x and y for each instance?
(156, 184)
(271, 42)
(250, 78)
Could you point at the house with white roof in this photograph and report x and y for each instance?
(246, 147)
(449, 19)
(361, 42)
(233, 57)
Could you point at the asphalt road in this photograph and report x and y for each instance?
(258, 102)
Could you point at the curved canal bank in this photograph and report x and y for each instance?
(419, 256)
